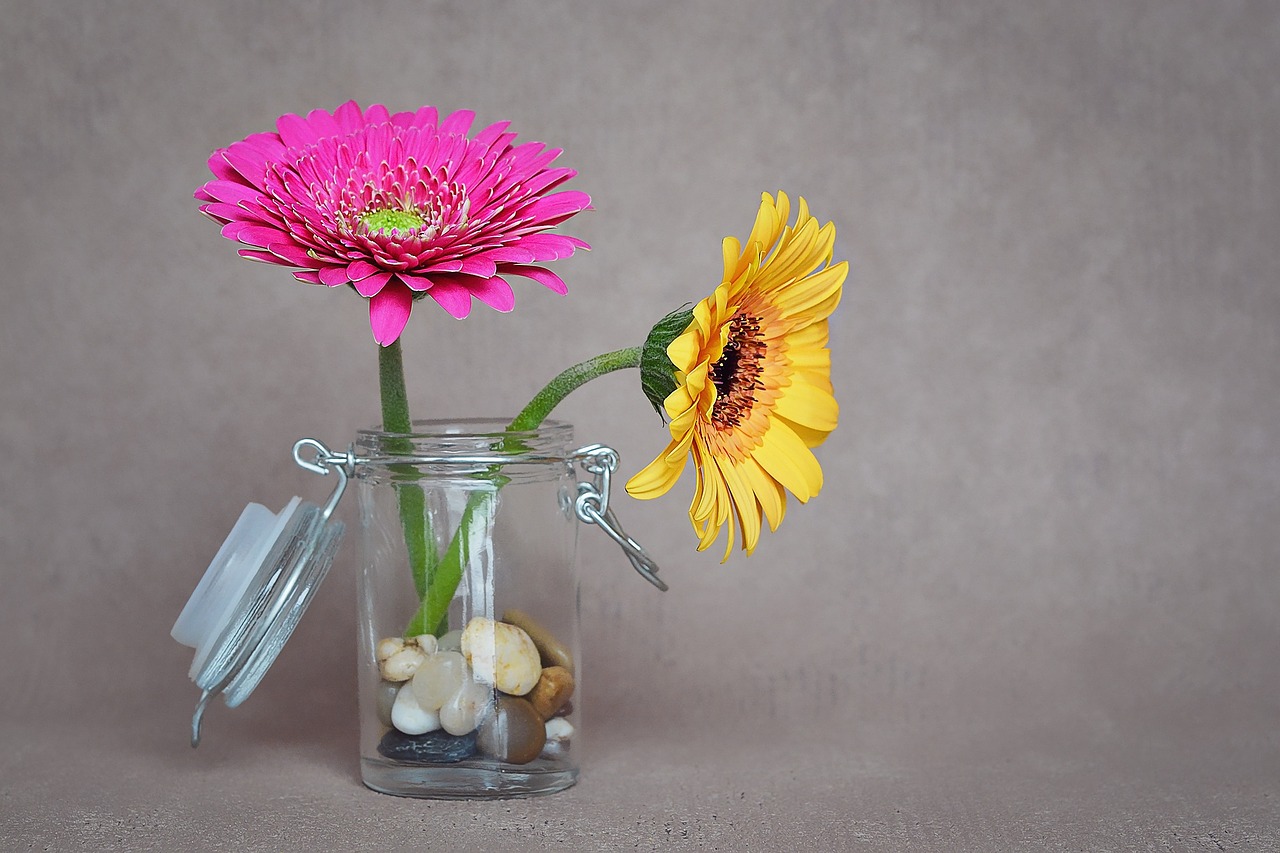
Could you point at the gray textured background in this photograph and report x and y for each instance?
(1035, 606)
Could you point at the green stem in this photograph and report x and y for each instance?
(395, 399)
(412, 500)
(532, 416)
(443, 585)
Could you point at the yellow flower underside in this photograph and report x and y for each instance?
(753, 375)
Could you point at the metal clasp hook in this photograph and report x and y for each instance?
(592, 507)
(323, 462)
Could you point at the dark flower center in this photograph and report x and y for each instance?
(736, 374)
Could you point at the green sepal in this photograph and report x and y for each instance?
(657, 373)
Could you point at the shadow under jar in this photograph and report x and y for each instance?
(468, 610)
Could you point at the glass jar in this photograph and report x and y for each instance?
(468, 609)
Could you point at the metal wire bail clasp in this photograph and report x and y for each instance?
(592, 507)
(322, 461)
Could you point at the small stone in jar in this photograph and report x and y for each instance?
(426, 643)
(387, 647)
(559, 729)
(439, 677)
(407, 716)
(513, 733)
(551, 692)
(552, 651)
(383, 698)
(436, 747)
(502, 655)
(467, 708)
(450, 642)
(402, 665)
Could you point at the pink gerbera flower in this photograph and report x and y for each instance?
(399, 206)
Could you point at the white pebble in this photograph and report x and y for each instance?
(408, 717)
(467, 708)
(558, 728)
(450, 642)
(439, 678)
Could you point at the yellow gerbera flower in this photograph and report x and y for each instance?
(753, 379)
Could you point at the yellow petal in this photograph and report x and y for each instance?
(684, 350)
(765, 230)
(772, 497)
(796, 256)
(810, 437)
(804, 404)
(786, 458)
(678, 451)
(810, 336)
(732, 251)
(801, 297)
(744, 502)
(655, 480)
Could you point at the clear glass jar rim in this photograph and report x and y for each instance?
(466, 441)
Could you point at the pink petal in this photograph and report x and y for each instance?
(548, 210)
(360, 269)
(333, 276)
(223, 170)
(225, 212)
(548, 247)
(492, 133)
(259, 255)
(458, 122)
(426, 117)
(516, 254)
(416, 283)
(373, 285)
(255, 235)
(266, 143)
(295, 131)
(376, 114)
(547, 180)
(453, 298)
(323, 124)
(494, 292)
(388, 312)
(450, 266)
(291, 252)
(231, 192)
(308, 276)
(250, 163)
(478, 265)
(349, 117)
(544, 277)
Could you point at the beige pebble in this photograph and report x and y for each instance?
(403, 664)
(426, 643)
(552, 651)
(502, 655)
(387, 647)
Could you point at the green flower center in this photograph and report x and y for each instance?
(386, 220)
